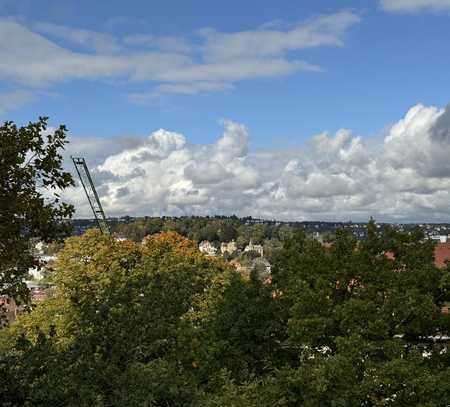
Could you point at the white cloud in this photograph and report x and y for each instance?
(406, 177)
(102, 43)
(29, 58)
(43, 53)
(185, 88)
(14, 100)
(173, 44)
(326, 30)
(237, 70)
(414, 5)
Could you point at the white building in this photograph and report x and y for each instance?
(317, 236)
(254, 248)
(229, 247)
(440, 238)
(37, 273)
(207, 248)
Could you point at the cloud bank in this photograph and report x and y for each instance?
(403, 177)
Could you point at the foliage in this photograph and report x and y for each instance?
(31, 175)
(242, 329)
(117, 319)
(158, 323)
(363, 317)
(214, 229)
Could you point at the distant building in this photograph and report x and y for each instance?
(207, 248)
(36, 273)
(254, 248)
(440, 238)
(229, 247)
(11, 309)
(40, 251)
(38, 292)
(317, 236)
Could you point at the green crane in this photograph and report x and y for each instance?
(91, 193)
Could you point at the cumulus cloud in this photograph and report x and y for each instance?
(42, 53)
(98, 149)
(406, 177)
(414, 5)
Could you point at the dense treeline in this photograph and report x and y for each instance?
(205, 228)
(159, 324)
(216, 230)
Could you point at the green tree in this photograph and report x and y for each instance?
(258, 233)
(31, 175)
(158, 323)
(118, 324)
(271, 248)
(209, 232)
(226, 232)
(285, 232)
(363, 317)
(243, 329)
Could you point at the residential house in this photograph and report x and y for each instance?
(229, 247)
(254, 248)
(207, 248)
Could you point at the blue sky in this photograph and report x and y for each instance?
(289, 76)
(386, 63)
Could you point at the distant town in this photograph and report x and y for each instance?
(249, 244)
(317, 229)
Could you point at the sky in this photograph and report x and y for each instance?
(312, 110)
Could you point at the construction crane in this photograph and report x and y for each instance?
(91, 193)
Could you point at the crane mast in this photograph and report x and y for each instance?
(91, 193)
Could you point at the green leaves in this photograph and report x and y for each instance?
(359, 314)
(31, 174)
(158, 323)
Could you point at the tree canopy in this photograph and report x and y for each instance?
(158, 324)
(31, 175)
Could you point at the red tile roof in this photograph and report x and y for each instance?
(441, 254)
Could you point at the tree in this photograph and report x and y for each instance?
(243, 329)
(209, 231)
(31, 175)
(118, 324)
(258, 233)
(227, 231)
(364, 318)
(158, 323)
(271, 248)
(285, 232)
